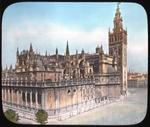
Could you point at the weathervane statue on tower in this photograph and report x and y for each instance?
(118, 4)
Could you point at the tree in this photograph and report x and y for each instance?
(41, 116)
(11, 115)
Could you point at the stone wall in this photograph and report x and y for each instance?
(61, 97)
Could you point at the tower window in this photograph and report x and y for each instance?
(74, 90)
(68, 91)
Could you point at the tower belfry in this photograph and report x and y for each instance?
(118, 20)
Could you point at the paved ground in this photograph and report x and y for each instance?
(131, 110)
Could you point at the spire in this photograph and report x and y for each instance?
(31, 49)
(102, 49)
(67, 49)
(10, 68)
(56, 51)
(17, 51)
(97, 49)
(82, 51)
(56, 54)
(76, 54)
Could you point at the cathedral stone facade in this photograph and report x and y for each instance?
(66, 85)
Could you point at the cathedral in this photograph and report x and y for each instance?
(66, 85)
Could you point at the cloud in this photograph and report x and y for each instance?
(138, 49)
(49, 35)
(53, 35)
(138, 55)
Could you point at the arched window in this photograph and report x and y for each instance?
(39, 98)
(23, 96)
(28, 97)
(90, 71)
(33, 97)
(82, 73)
(72, 63)
(74, 74)
(65, 71)
(81, 64)
(68, 91)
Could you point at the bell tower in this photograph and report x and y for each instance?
(118, 48)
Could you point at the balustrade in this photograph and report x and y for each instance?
(102, 79)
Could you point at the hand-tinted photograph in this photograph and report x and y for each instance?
(72, 63)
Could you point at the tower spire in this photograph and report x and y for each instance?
(82, 53)
(17, 51)
(31, 49)
(67, 49)
(56, 51)
(76, 54)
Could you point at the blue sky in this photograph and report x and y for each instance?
(84, 25)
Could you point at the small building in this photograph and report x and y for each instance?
(137, 80)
